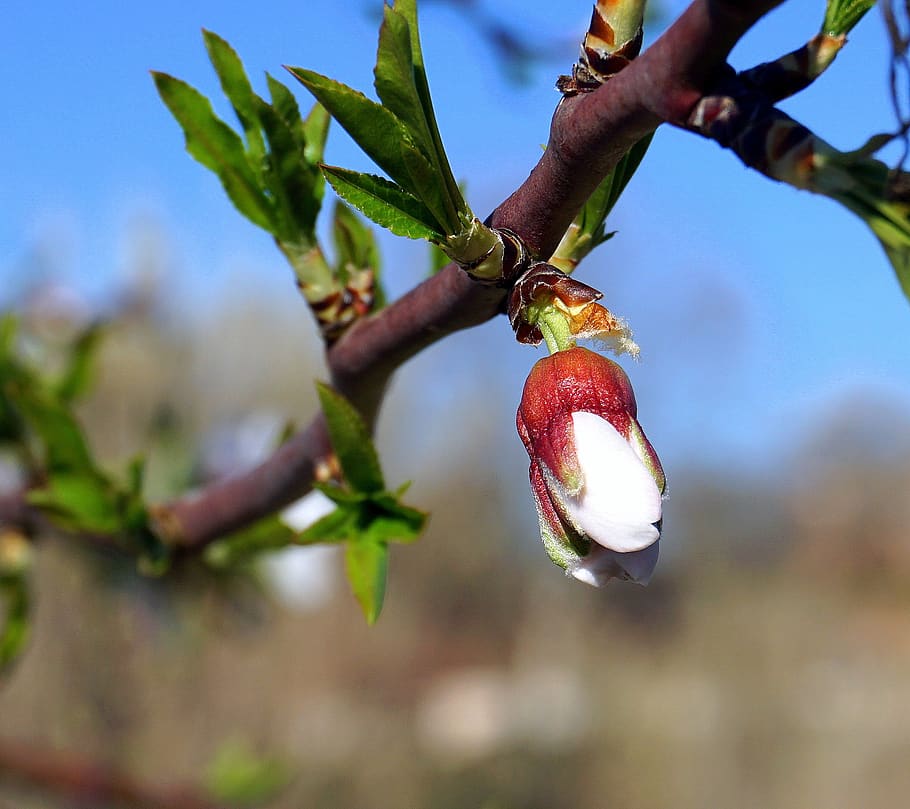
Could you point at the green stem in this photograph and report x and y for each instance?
(555, 330)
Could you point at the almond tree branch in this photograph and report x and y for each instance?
(93, 784)
(589, 133)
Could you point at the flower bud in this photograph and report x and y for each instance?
(596, 479)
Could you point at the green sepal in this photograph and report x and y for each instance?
(214, 144)
(239, 91)
(351, 442)
(387, 204)
(366, 563)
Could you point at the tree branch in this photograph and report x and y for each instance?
(78, 778)
(589, 133)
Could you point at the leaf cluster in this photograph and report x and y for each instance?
(400, 134)
(271, 174)
(367, 517)
(66, 483)
(271, 171)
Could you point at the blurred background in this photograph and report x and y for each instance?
(767, 663)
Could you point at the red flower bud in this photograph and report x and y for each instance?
(596, 479)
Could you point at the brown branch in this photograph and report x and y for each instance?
(77, 778)
(589, 133)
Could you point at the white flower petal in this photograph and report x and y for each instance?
(601, 565)
(619, 502)
(307, 510)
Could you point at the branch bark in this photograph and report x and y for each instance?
(78, 778)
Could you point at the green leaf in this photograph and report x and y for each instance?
(80, 502)
(354, 242)
(393, 522)
(356, 250)
(367, 565)
(351, 441)
(239, 91)
(9, 325)
(315, 132)
(290, 179)
(268, 534)
(373, 127)
(602, 201)
(337, 526)
(408, 10)
(240, 777)
(15, 625)
(78, 373)
(394, 79)
(284, 103)
(64, 444)
(438, 259)
(385, 203)
(214, 144)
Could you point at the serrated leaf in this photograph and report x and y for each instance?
(366, 563)
(214, 144)
(14, 619)
(426, 184)
(394, 79)
(387, 204)
(238, 90)
(374, 128)
(351, 441)
(386, 141)
(408, 10)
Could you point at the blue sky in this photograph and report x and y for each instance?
(759, 309)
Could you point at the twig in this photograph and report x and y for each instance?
(78, 778)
